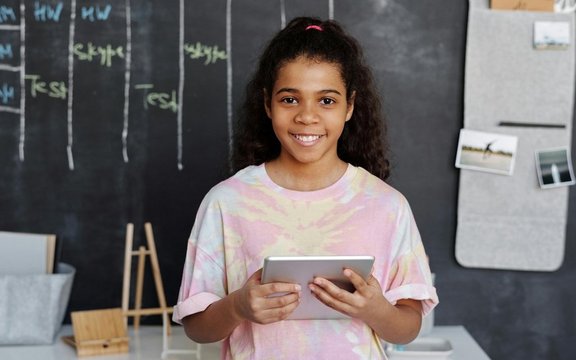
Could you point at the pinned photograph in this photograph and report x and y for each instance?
(554, 35)
(485, 151)
(554, 168)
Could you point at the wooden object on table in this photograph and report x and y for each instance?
(98, 332)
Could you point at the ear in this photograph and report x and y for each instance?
(267, 103)
(350, 109)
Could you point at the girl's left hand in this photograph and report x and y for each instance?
(360, 304)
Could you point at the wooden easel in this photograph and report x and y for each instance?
(142, 252)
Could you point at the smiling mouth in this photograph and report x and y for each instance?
(307, 138)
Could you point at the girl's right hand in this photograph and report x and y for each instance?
(260, 303)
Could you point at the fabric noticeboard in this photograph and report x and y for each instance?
(510, 222)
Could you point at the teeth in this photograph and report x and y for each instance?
(307, 138)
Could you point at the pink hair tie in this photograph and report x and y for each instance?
(314, 27)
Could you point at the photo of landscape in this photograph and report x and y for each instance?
(485, 151)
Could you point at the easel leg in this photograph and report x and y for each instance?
(156, 269)
(139, 285)
(127, 269)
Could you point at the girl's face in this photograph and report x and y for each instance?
(308, 108)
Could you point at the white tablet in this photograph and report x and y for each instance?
(302, 270)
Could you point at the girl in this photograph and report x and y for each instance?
(312, 166)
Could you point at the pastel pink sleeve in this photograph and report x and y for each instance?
(203, 277)
(410, 280)
(192, 305)
(410, 276)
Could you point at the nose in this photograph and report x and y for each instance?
(307, 115)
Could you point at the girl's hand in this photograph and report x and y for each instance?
(261, 303)
(361, 304)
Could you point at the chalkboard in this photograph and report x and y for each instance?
(122, 111)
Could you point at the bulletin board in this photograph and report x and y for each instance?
(509, 221)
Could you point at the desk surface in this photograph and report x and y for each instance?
(146, 344)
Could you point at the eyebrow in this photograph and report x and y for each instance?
(292, 90)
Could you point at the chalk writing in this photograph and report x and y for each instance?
(90, 52)
(162, 100)
(94, 13)
(6, 93)
(45, 12)
(199, 51)
(6, 51)
(7, 14)
(54, 89)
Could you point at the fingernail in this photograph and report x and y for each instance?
(347, 272)
(297, 287)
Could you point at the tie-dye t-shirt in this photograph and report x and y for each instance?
(248, 217)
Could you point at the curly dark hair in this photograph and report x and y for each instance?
(361, 142)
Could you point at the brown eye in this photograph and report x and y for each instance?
(289, 100)
(327, 101)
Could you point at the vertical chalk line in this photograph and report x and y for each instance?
(282, 14)
(180, 83)
(22, 80)
(229, 80)
(72, 29)
(331, 9)
(127, 80)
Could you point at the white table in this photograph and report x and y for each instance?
(146, 344)
(464, 345)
